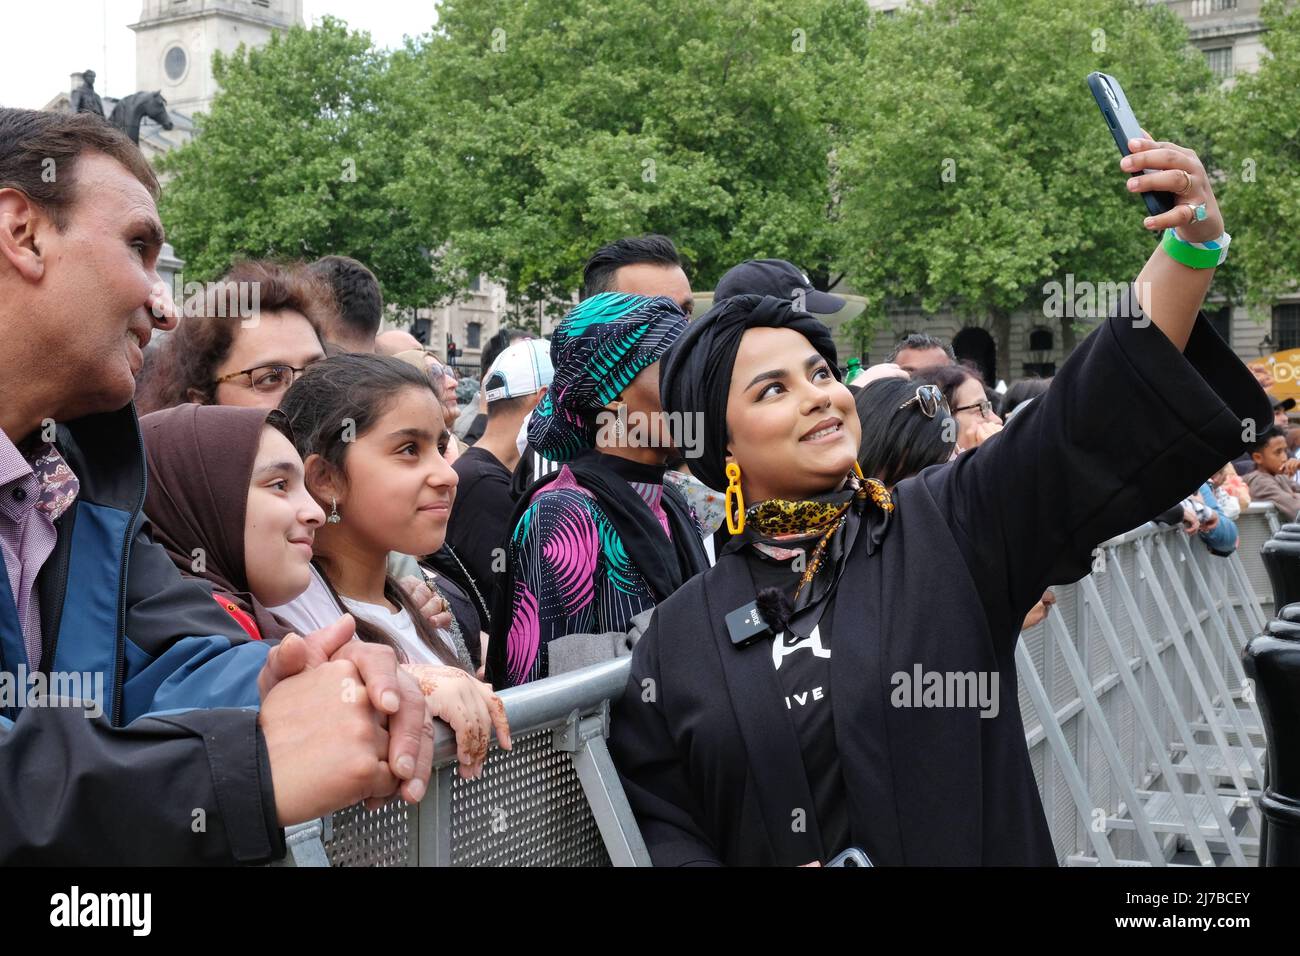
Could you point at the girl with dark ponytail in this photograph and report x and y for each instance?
(371, 434)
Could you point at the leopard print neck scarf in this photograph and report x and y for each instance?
(780, 518)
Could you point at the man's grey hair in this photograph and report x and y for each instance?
(921, 341)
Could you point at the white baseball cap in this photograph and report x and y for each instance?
(521, 369)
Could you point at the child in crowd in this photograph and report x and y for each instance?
(372, 435)
(1271, 479)
(228, 502)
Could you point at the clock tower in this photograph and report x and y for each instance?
(175, 40)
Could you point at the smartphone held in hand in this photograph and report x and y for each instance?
(1124, 126)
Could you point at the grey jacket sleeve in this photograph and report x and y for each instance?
(189, 788)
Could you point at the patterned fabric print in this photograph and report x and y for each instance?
(572, 575)
(601, 345)
(59, 486)
(652, 494)
(778, 517)
(705, 504)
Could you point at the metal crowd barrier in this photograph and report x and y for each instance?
(1143, 735)
(554, 799)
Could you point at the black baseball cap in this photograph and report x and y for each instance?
(1284, 403)
(779, 278)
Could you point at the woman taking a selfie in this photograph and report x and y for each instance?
(775, 711)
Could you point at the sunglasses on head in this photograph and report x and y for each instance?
(929, 398)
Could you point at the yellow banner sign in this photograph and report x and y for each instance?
(1284, 367)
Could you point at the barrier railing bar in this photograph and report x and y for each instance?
(1250, 600)
(1230, 650)
(574, 709)
(1109, 747)
(1216, 675)
(1167, 692)
(1056, 741)
(1226, 647)
(1159, 746)
(609, 804)
(1194, 679)
(432, 821)
(303, 846)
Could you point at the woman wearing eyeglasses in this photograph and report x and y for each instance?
(976, 419)
(844, 676)
(220, 356)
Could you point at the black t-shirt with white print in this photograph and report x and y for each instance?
(803, 671)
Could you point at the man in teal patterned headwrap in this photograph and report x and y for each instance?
(599, 541)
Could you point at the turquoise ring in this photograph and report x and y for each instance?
(1199, 212)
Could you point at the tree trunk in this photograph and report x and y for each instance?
(1068, 339)
(1002, 336)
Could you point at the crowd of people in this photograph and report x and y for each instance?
(228, 521)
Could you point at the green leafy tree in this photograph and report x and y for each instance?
(976, 167)
(558, 126)
(294, 159)
(1259, 156)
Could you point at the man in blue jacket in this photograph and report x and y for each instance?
(85, 592)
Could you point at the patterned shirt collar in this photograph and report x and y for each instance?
(57, 485)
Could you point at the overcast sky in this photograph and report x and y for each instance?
(49, 39)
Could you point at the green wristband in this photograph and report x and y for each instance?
(1194, 256)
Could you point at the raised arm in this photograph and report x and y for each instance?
(1146, 408)
(1169, 291)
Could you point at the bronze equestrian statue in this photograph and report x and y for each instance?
(129, 110)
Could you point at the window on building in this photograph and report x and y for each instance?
(473, 333)
(1205, 8)
(1286, 326)
(174, 63)
(1039, 369)
(1221, 320)
(261, 3)
(476, 284)
(1040, 340)
(1220, 61)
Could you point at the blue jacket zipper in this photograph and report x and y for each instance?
(119, 669)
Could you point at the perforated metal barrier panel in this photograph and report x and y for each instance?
(361, 837)
(528, 809)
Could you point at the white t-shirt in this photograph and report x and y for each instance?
(399, 625)
(311, 610)
(315, 608)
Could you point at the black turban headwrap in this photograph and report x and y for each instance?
(695, 375)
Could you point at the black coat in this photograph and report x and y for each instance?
(708, 755)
